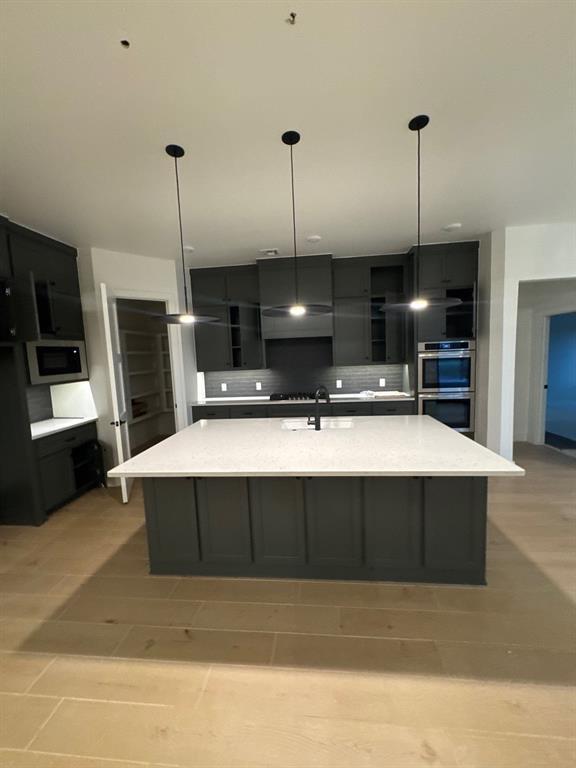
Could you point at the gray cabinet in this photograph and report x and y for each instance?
(454, 522)
(52, 268)
(351, 277)
(210, 412)
(448, 264)
(392, 408)
(278, 522)
(248, 412)
(56, 479)
(278, 288)
(352, 409)
(352, 343)
(224, 519)
(334, 520)
(392, 514)
(231, 294)
(175, 535)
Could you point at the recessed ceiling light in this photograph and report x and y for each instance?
(314, 238)
(452, 227)
(269, 251)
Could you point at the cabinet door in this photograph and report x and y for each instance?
(56, 479)
(394, 409)
(248, 412)
(278, 520)
(251, 348)
(454, 522)
(431, 322)
(224, 519)
(393, 521)
(430, 267)
(351, 277)
(171, 518)
(242, 285)
(460, 264)
(209, 412)
(352, 409)
(351, 345)
(334, 520)
(213, 352)
(5, 267)
(208, 287)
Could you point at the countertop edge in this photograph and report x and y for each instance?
(80, 423)
(397, 473)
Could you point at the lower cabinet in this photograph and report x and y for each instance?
(224, 519)
(69, 463)
(278, 520)
(390, 528)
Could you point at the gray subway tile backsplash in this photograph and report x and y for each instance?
(355, 378)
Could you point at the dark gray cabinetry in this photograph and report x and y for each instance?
(17, 300)
(69, 463)
(278, 520)
(333, 511)
(394, 408)
(52, 269)
(278, 288)
(395, 528)
(448, 264)
(224, 519)
(351, 277)
(393, 521)
(352, 341)
(248, 412)
(454, 522)
(210, 412)
(231, 294)
(352, 409)
(176, 538)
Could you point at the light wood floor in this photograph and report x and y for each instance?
(104, 666)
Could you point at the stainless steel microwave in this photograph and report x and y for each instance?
(56, 362)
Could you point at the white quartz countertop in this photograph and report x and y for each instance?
(364, 445)
(335, 398)
(51, 426)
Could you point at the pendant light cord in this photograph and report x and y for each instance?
(418, 194)
(296, 292)
(181, 235)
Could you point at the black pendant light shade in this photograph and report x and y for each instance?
(419, 303)
(297, 308)
(186, 317)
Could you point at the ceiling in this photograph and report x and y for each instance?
(85, 121)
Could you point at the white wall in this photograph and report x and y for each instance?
(130, 276)
(537, 252)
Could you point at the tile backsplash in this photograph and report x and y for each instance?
(39, 403)
(355, 378)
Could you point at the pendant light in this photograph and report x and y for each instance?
(297, 308)
(186, 317)
(419, 303)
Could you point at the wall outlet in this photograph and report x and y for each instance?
(338, 383)
(381, 382)
(224, 387)
(258, 385)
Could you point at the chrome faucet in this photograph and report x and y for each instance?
(320, 392)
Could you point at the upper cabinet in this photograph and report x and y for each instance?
(448, 271)
(50, 269)
(371, 323)
(278, 288)
(448, 264)
(231, 294)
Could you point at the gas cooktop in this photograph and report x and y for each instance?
(292, 396)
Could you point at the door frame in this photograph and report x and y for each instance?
(537, 394)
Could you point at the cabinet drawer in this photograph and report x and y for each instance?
(248, 412)
(352, 409)
(69, 438)
(393, 409)
(210, 412)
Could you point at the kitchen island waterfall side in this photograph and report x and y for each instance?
(399, 498)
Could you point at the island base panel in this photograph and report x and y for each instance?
(348, 528)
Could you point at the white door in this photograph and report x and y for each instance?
(117, 390)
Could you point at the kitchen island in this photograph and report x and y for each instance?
(399, 498)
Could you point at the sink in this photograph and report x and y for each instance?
(327, 423)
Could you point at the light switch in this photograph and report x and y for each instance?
(224, 387)
(381, 382)
(338, 383)
(258, 385)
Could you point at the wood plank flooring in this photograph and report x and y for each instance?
(105, 666)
